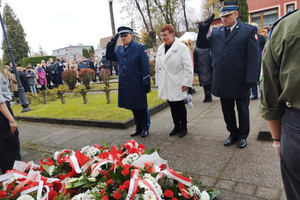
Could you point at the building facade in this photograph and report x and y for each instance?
(71, 52)
(266, 12)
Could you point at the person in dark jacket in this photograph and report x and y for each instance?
(48, 71)
(202, 65)
(134, 77)
(23, 78)
(261, 42)
(60, 70)
(235, 61)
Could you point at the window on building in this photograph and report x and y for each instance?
(256, 19)
(270, 17)
(290, 8)
(264, 18)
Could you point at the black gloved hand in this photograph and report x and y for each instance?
(147, 88)
(115, 38)
(202, 32)
(250, 85)
(208, 21)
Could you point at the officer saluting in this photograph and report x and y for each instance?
(235, 61)
(134, 77)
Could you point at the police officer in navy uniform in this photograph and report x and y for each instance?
(235, 61)
(134, 77)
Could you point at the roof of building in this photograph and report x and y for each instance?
(73, 46)
(105, 40)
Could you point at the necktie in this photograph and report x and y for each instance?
(227, 32)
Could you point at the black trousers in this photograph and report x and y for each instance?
(9, 144)
(290, 153)
(242, 105)
(141, 119)
(179, 114)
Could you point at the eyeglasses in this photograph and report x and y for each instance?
(124, 35)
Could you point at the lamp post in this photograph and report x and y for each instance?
(112, 17)
(21, 91)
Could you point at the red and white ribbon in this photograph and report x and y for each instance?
(89, 163)
(151, 187)
(98, 165)
(57, 154)
(172, 174)
(133, 186)
(74, 164)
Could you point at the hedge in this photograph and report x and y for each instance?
(36, 60)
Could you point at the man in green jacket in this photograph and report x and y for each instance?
(280, 98)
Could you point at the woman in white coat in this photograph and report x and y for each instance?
(174, 75)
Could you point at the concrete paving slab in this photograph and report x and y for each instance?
(252, 172)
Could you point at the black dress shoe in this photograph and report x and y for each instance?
(242, 143)
(229, 141)
(183, 132)
(174, 131)
(145, 133)
(135, 133)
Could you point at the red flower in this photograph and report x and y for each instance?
(2, 193)
(117, 195)
(9, 187)
(105, 197)
(125, 170)
(125, 185)
(109, 182)
(102, 192)
(174, 198)
(52, 195)
(168, 193)
(162, 166)
(183, 190)
(150, 167)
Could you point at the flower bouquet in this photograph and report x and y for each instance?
(100, 172)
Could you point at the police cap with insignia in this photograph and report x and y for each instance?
(228, 8)
(123, 30)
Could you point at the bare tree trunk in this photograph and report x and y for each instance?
(44, 97)
(184, 14)
(142, 14)
(84, 98)
(162, 11)
(61, 96)
(107, 93)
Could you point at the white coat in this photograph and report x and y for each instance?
(173, 70)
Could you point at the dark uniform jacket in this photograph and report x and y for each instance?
(202, 65)
(134, 74)
(235, 60)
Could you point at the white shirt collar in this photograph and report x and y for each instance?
(232, 27)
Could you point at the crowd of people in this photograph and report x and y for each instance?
(49, 74)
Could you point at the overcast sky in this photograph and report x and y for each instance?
(55, 24)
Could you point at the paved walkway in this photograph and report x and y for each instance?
(251, 173)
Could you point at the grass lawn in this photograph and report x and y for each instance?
(96, 109)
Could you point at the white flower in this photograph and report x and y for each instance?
(152, 179)
(130, 159)
(149, 195)
(194, 190)
(25, 197)
(51, 169)
(90, 151)
(204, 196)
(81, 196)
